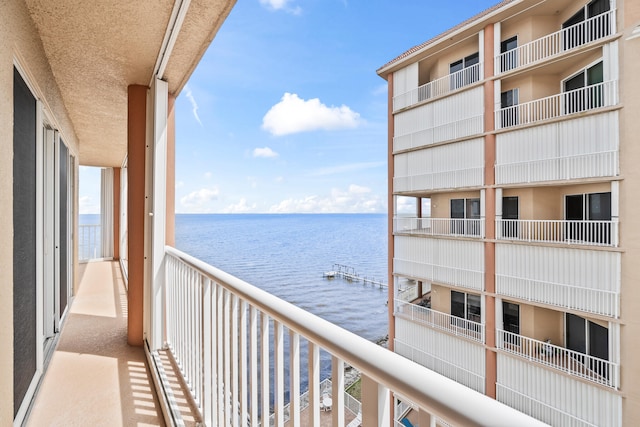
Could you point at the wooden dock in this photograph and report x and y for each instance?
(349, 273)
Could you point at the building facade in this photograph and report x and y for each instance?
(512, 148)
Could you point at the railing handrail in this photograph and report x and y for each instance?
(521, 50)
(556, 349)
(509, 113)
(469, 328)
(430, 89)
(443, 397)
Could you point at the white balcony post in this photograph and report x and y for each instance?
(156, 167)
(207, 333)
(376, 403)
(294, 379)
(497, 38)
(278, 337)
(337, 392)
(314, 384)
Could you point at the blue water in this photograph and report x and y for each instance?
(286, 254)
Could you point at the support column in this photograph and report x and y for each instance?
(489, 205)
(116, 213)
(390, 204)
(136, 143)
(171, 174)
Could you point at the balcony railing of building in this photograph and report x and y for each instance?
(458, 227)
(89, 242)
(218, 330)
(569, 38)
(581, 365)
(571, 297)
(587, 98)
(442, 321)
(444, 367)
(442, 86)
(589, 233)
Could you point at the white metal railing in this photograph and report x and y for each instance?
(541, 410)
(467, 177)
(590, 30)
(572, 362)
(89, 241)
(466, 227)
(221, 329)
(596, 301)
(590, 233)
(559, 168)
(438, 320)
(439, 87)
(441, 366)
(409, 293)
(587, 98)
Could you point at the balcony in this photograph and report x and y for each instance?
(439, 87)
(560, 42)
(587, 233)
(441, 321)
(581, 365)
(451, 227)
(576, 101)
(89, 242)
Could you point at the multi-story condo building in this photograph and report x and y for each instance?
(513, 179)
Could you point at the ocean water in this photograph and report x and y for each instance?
(287, 254)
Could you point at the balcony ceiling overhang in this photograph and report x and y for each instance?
(97, 49)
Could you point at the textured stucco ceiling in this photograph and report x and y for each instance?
(97, 49)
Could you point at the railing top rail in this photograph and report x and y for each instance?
(443, 397)
(466, 70)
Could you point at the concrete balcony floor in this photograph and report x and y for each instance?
(94, 378)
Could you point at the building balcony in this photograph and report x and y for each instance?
(451, 227)
(228, 346)
(588, 98)
(558, 43)
(593, 369)
(439, 87)
(566, 232)
(441, 321)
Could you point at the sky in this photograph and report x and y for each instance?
(285, 112)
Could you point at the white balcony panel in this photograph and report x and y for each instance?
(579, 148)
(453, 117)
(555, 398)
(406, 95)
(458, 359)
(452, 262)
(438, 320)
(447, 166)
(405, 79)
(575, 279)
(461, 227)
(557, 43)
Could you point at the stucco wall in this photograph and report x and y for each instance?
(19, 42)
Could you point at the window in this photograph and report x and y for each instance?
(588, 217)
(465, 306)
(509, 116)
(586, 337)
(574, 34)
(462, 209)
(511, 323)
(510, 60)
(467, 77)
(591, 96)
(510, 214)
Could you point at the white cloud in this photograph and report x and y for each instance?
(357, 199)
(87, 206)
(240, 207)
(293, 114)
(264, 152)
(406, 206)
(281, 5)
(199, 200)
(194, 104)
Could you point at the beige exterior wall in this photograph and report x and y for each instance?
(431, 69)
(441, 298)
(441, 203)
(18, 40)
(629, 206)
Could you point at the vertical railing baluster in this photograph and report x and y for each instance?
(253, 364)
(227, 357)
(235, 377)
(337, 392)
(207, 325)
(314, 384)
(294, 379)
(278, 338)
(264, 368)
(220, 356)
(243, 355)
